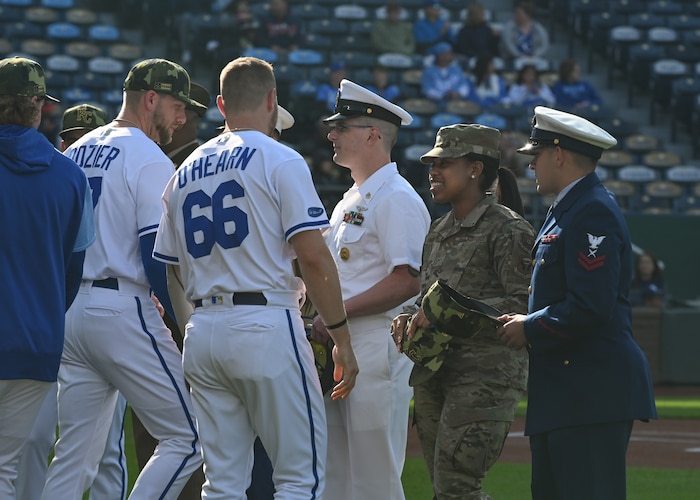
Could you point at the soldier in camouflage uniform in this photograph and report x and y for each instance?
(464, 409)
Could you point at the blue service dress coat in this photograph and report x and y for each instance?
(585, 367)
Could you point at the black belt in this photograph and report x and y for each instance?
(242, 299)
(110, 283)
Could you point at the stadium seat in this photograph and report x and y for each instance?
(10, 14)
(263, 53)
(207, 130)
(213, 114)
(641, 143)
(317, 42)
(444, 119)
(614, 159)
(113, 97)
(360, 28)
(685, 174)
(310, 11)
(637, 173)
(42, 15)
(81, 16)
(600, 24)
(18, 3)
(620, 39)
(462, 108)
(625, 193)
(57, 81)
(82, 50)
(663, 73)
(36, 47)
(490, 119)
(329, 27)
(125, 51)
(354, 43)
(683, 53)
(661, 159)
(354, 59)
(643, 20)
(5, 47)
(417, 123)
(396, 61)
(542, 64)
(641, 57)
(306, 57)
(288, 73)
(662, 35)
(106, 65)
(58, 4)
(304, 88)
(23, 30)
(683, 22)
(603, 173)
(93, 81)
(63, 63)
(104, 33)
(619, 128)
(420, 106)
(349, 11)
(664, 8)
(64, 31)
(74, 95)
(684, 91)
(660, 196)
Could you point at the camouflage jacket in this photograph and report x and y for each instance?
(486, 256)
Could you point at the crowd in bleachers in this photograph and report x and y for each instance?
(444, 61)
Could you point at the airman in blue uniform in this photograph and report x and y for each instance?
(588, 378)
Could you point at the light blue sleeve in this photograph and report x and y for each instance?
(86, 231)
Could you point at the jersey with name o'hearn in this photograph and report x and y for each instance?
(230, 211)
(127, 172)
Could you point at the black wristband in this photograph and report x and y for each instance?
(337, 325)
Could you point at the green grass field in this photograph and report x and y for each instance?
(508, 481)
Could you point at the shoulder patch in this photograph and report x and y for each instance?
(315, 211)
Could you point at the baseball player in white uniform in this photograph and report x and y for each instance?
(115, 337)
(111, 482)
(376, 237)
(236, 213)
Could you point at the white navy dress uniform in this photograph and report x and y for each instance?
(376, 227)
(229, 213)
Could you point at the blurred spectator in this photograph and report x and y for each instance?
(444, 79)
(570, 91)
(187, 22)
(476, 38)
(51, 122)
(225, 45)
(328, 91)
(528, 90)
(647, 288)
(279, 30)
(523, 35)
(380, 84)
(432, 28)
(392, 34)
(490, 86)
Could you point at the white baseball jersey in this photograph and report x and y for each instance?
(225, 210)
(138, 172)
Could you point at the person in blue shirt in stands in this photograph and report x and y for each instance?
(381, 86)
(445, 80)
(648, 285)
(433, 28)
(570, 92)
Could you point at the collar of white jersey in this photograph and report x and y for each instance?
(373, 184)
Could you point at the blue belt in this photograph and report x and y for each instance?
(242, 299)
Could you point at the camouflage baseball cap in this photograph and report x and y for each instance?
(457, 140)
(164, 77)
(22, 76)
(455, 314)
(83, 117)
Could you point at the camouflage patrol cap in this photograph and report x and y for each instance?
(164, 77)
(455, 314)
(455, 141)
(20, 76)
(427, 349)
(83, 117)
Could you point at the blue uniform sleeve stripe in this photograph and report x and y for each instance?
(165, 258)
(314, 224)
(147, 229)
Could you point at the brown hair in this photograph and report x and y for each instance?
(566, 68)
(19, 110)
(245, 82)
